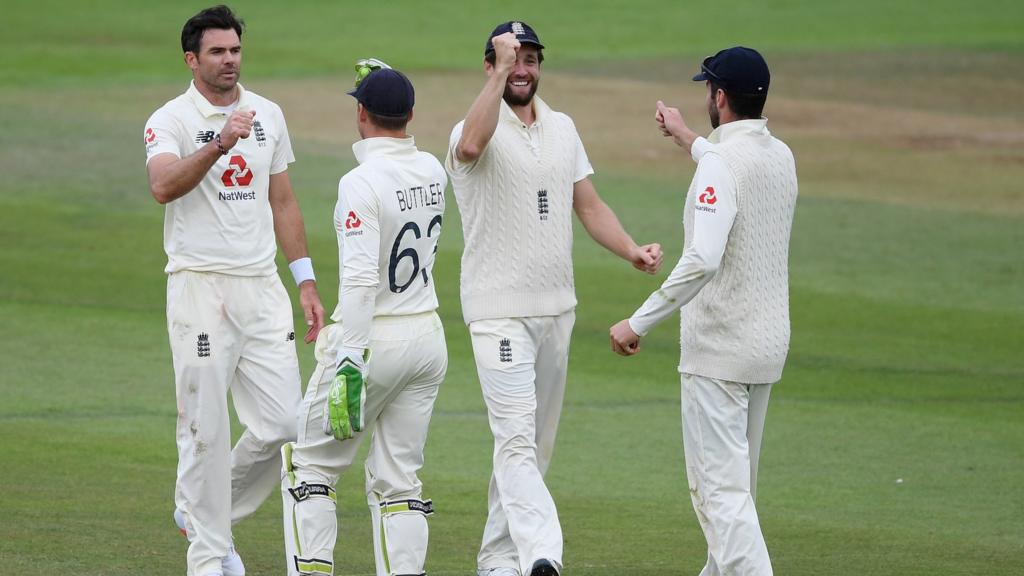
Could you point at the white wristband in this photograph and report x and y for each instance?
(302, 270)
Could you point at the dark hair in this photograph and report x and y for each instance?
(743, 105)
(387, 122)
(217, 18)
(490, 57)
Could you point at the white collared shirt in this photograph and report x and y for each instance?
(225, 224)
(389, 217)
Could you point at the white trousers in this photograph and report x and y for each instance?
(408, 360)
(237, 333)
(722, 427)
(522, 365)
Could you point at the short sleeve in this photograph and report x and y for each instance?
(582, 167)
(283, 155)
(161, 135)
(452, 164)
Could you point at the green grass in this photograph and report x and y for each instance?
(117, 41)
(906, 275)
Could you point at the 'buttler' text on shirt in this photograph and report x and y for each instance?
(420, 196)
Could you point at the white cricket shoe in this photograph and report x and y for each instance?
(503, 571)
(231, 564)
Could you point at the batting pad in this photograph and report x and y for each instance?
(400, 535)
(310, 521)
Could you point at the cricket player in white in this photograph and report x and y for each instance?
(380, 365)
(217, 157)
(519, 171)
(732, 285)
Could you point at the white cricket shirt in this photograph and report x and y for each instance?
(388, 218)
(225, 224)
(516, 206)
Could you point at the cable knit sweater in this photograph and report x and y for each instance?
(516, 206)
(737, 327)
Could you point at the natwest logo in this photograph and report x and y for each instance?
(708, 196)
(238, 173)
(352, 221)
(150, 136)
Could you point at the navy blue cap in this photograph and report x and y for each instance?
(523, 33)
(738, 70)
(386, 92)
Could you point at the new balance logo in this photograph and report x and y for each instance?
(290, 337)
(203, 345)
(505, 350)
(204, 136)
(542, 204)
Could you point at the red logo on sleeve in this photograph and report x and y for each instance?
(708, 196)
(238, 173)
(352, 221)
(150, 136)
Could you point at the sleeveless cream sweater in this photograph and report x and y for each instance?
(516, 209)
(737, 327)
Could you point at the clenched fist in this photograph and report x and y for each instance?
(505, 49)
(239, 125)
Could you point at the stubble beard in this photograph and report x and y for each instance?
(215, 82)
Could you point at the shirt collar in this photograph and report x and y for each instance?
(758, 127)
(207, 109)
(369, 148)
(540, 111)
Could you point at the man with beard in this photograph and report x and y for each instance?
(217, 158)
(732, 283)
(519, 171)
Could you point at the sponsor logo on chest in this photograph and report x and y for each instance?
(237, 175)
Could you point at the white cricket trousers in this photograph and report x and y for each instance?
(522, 364)
(722, 427)
(408, 361)
(229, 333)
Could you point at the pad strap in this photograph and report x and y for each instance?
(311, 566)
(306, 491)
(411, 505)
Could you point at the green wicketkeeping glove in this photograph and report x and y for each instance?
(346, 399)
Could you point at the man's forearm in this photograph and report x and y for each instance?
(604, 227)
(290, 230)
(172, 180)
(482, 119)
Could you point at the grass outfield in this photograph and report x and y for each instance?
(894, 444)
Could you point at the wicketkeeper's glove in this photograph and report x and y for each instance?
(346, 399)
(367, 65)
